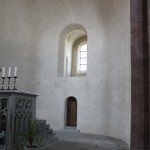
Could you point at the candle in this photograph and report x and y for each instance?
(3, 72)
(15, 72)
(9, 72)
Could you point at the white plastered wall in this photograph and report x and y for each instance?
(29, 39)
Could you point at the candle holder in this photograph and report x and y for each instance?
(8, 86)
(3, 83)
(15, 78)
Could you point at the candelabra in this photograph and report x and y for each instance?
(8, 86)
(3, 83)
(15, 78)
(9, 76)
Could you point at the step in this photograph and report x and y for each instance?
(70, 129)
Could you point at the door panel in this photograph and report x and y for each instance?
(72, 112)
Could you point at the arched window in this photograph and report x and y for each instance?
(82, 57)
(72, 53)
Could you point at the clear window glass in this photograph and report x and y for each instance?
(83, 57)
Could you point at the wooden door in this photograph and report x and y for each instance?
(72, 112)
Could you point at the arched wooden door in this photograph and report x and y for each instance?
(71, 112)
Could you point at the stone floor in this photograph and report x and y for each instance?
(70, 140)
(83, 141)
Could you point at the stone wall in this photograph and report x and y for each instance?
(29, 39)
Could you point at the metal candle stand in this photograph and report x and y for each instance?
(8, 86)
(3, 83)
(9, 79)
(15, 78)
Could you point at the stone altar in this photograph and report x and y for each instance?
(15, 109)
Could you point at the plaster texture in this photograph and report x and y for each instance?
(29, 39)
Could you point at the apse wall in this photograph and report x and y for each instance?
(29, 39)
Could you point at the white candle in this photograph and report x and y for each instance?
(15, 72)
(3, 72)
(9, 72)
